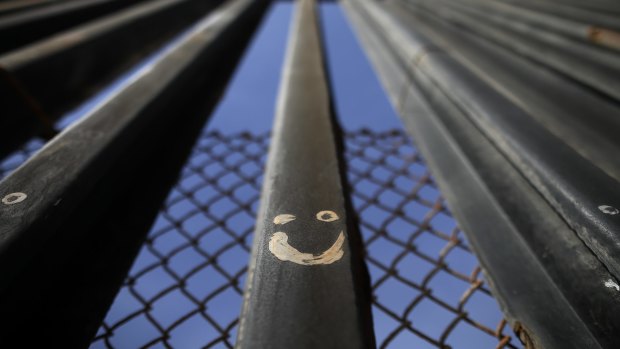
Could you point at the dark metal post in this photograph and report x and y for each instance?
(40, 81)
(535, 207)
(34, 23)
(64, 246)
(303, 290)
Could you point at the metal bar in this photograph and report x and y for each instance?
(65, 291)
(41, 195)
(554, 288)
(13, 6)
(597, 18)
(593, 138)
(25, 27)
(592, 66)
(563, 176)
(305, 283)
(43, 80)
(538, 22)
(597, 5)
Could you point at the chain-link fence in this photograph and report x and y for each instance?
(428, 289)
(185, 288)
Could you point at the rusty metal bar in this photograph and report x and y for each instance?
(306, 284)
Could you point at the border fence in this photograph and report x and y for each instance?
(185, 288)
(134, 228)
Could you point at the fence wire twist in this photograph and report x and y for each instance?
(185, 288)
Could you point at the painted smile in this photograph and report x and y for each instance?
(279, 246)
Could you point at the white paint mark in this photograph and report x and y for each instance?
(278, 245)
(14, 198)
(327, 216)
(284, 218)
(609, 210)
(612, 284)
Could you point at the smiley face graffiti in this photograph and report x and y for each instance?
(279, 246)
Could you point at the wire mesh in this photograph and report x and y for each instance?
(185, 287)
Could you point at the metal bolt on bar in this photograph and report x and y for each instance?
(304, 287)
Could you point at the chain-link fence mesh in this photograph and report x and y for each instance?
(428, 289)
(185, 287)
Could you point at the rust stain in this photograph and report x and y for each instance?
(604, 37)
(524, 335)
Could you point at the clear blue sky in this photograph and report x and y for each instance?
(251, 98)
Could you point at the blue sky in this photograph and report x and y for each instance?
(250, 101)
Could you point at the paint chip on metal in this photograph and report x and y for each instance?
(283, 219)
(612, 284)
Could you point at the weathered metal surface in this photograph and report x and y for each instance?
(497, 192)
(593, 138)
(562, 175)
(13, 6)
(306, 284)
(605, 37)
(80, 175)
(42, 80)
(593, 66)
(24, 27)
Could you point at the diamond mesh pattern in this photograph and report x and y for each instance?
(428, 289)
(185, 288)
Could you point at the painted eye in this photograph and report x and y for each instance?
(284, 218)
(327, 216)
